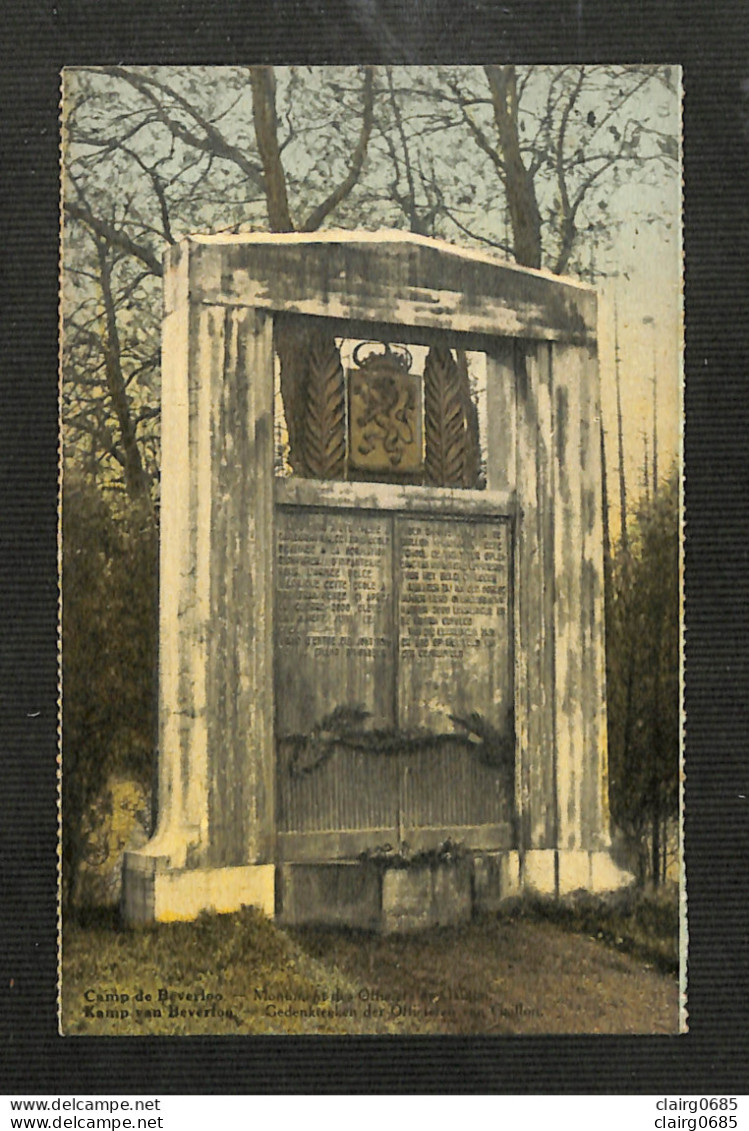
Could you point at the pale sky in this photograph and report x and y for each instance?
(654, 292)
(652, 255)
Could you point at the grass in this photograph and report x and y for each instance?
(520, 971)
(643, 923)
(236, 973)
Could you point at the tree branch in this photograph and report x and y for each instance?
(506, 248)
(479, 136)
(568, 231)
(316, 217)
(408, 202)
(263, 83)
(115, 237)
(136, 479)
(521, 194)
(213, 140)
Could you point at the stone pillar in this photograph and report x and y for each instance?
(560, 670)
(213, 844)
(534, 585)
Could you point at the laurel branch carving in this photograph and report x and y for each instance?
(314, 395)
(292, 344)
(444, 420)
(324, 425)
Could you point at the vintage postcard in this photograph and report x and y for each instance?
(371, 550)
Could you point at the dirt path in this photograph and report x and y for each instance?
(501, 977)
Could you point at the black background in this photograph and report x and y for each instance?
(711, 42)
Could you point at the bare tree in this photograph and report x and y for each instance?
(552, 146)
(523, 159)
(185, 156)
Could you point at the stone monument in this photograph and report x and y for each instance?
(382, 679)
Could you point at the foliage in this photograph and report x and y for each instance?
(119, 820)
(642, 923)
(448, 854)
(109, 625)
(644, 698)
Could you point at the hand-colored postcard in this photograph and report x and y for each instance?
(371, 550)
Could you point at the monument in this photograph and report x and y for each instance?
(382, 679)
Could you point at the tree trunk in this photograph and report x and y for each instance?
(656, 859)
(136, 480)
(657, 740)
(608, 595)
(263, 83)
(521, 194)
(620, 436)
(655, 427)
(293, 336)
(606, 532)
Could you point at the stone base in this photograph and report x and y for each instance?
(155, 893)
(416, 898)
(344, 894)
(563, 871)
(352, 894)
(358, 895)
(496, 878)
(371, 898)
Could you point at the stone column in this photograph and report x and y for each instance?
(579, 627)
(560, 665)
(213, 844)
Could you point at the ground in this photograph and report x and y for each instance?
(510, 977)
(515, 974)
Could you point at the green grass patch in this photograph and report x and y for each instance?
(643, 923)
(224, 974)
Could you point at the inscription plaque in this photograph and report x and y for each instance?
(334, 616)
(453, 622)
(407, 617)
